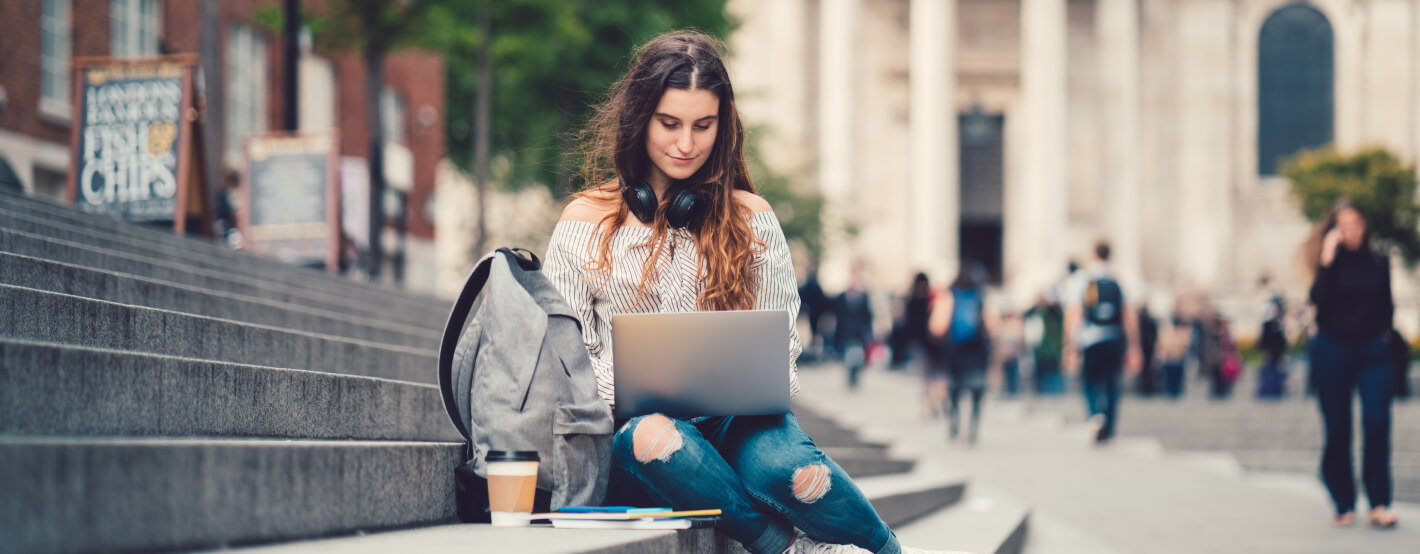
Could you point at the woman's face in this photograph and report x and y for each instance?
(681, 134)
(1352, 227)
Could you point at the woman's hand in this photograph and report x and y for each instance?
(1328, 246)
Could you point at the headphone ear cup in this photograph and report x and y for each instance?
(641, 200)
(684, 209)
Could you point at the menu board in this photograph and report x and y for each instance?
(292, 209)
(132, 139)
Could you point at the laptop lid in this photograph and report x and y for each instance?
(701, 363)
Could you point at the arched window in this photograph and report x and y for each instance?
(1295, 64)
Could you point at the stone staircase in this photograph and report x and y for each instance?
(160, 393)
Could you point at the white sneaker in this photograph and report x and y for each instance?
(909, 550)
(804, 545)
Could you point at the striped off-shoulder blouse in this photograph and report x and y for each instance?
(675, 285)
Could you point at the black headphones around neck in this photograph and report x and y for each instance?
(683, 211)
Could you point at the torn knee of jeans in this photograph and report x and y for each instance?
(810, 483)
(655, 438)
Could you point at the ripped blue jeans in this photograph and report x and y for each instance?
(763, 471)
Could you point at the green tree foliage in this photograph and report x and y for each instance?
(552, 61)
(1380, 185)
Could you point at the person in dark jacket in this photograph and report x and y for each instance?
(853, 330)
(1047, 310)
(814, 304)
(914, 318)
(1272, 340)
(1148, 382)
(1354, 313)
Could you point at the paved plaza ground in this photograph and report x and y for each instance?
(1130, 496)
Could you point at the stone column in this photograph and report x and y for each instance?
(1038, 229)
(836, 38)
(1387, 77)
(1414, 57)
(1205, 198)
(935, 192)
(1117, 22)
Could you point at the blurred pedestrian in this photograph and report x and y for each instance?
(1173, 353)
(964, 327)
(1009, 345)
(814, 304)
(914, 339)
(1272, 340)
(1148, 383)
(1229, 362)
(1102, 340)
(1049, 318)
(1354, 312)
(924, 350)
(853, 330)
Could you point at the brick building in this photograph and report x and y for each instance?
(41, 38)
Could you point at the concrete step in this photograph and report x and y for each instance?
(45, 210)
(50, 389)
(983, 522)
(866, 462)
(36, 273)
(204, 256)
(828, 433)
(894, 498)
(65, 494)
(537, 539)
(905, 497)
(826, 438)
(39, 316)
(28, 244)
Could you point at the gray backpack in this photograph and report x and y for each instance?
(516, 376)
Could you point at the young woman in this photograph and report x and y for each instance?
(1354, 310)
(671, 223)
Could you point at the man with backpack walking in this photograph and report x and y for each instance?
(963, 326)
(1101, 331)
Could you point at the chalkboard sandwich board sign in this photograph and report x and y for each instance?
(132, 141)
(291, 199)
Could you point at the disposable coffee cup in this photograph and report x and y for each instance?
(512, 481)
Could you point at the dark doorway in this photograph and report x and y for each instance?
(982, 158)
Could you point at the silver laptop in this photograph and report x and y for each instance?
(701, 363)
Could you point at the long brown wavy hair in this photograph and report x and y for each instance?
(613, 146)
(1311, 249)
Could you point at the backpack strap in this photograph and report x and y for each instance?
(458, 317)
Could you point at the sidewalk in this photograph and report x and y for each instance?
(1127, 497)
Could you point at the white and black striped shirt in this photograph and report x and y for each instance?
(674, 287)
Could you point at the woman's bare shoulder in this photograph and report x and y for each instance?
(589, 208)
(753, 201)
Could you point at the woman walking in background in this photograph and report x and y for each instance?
(1354, 310)
(924, 348)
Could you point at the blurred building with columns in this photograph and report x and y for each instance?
(1018, 132)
